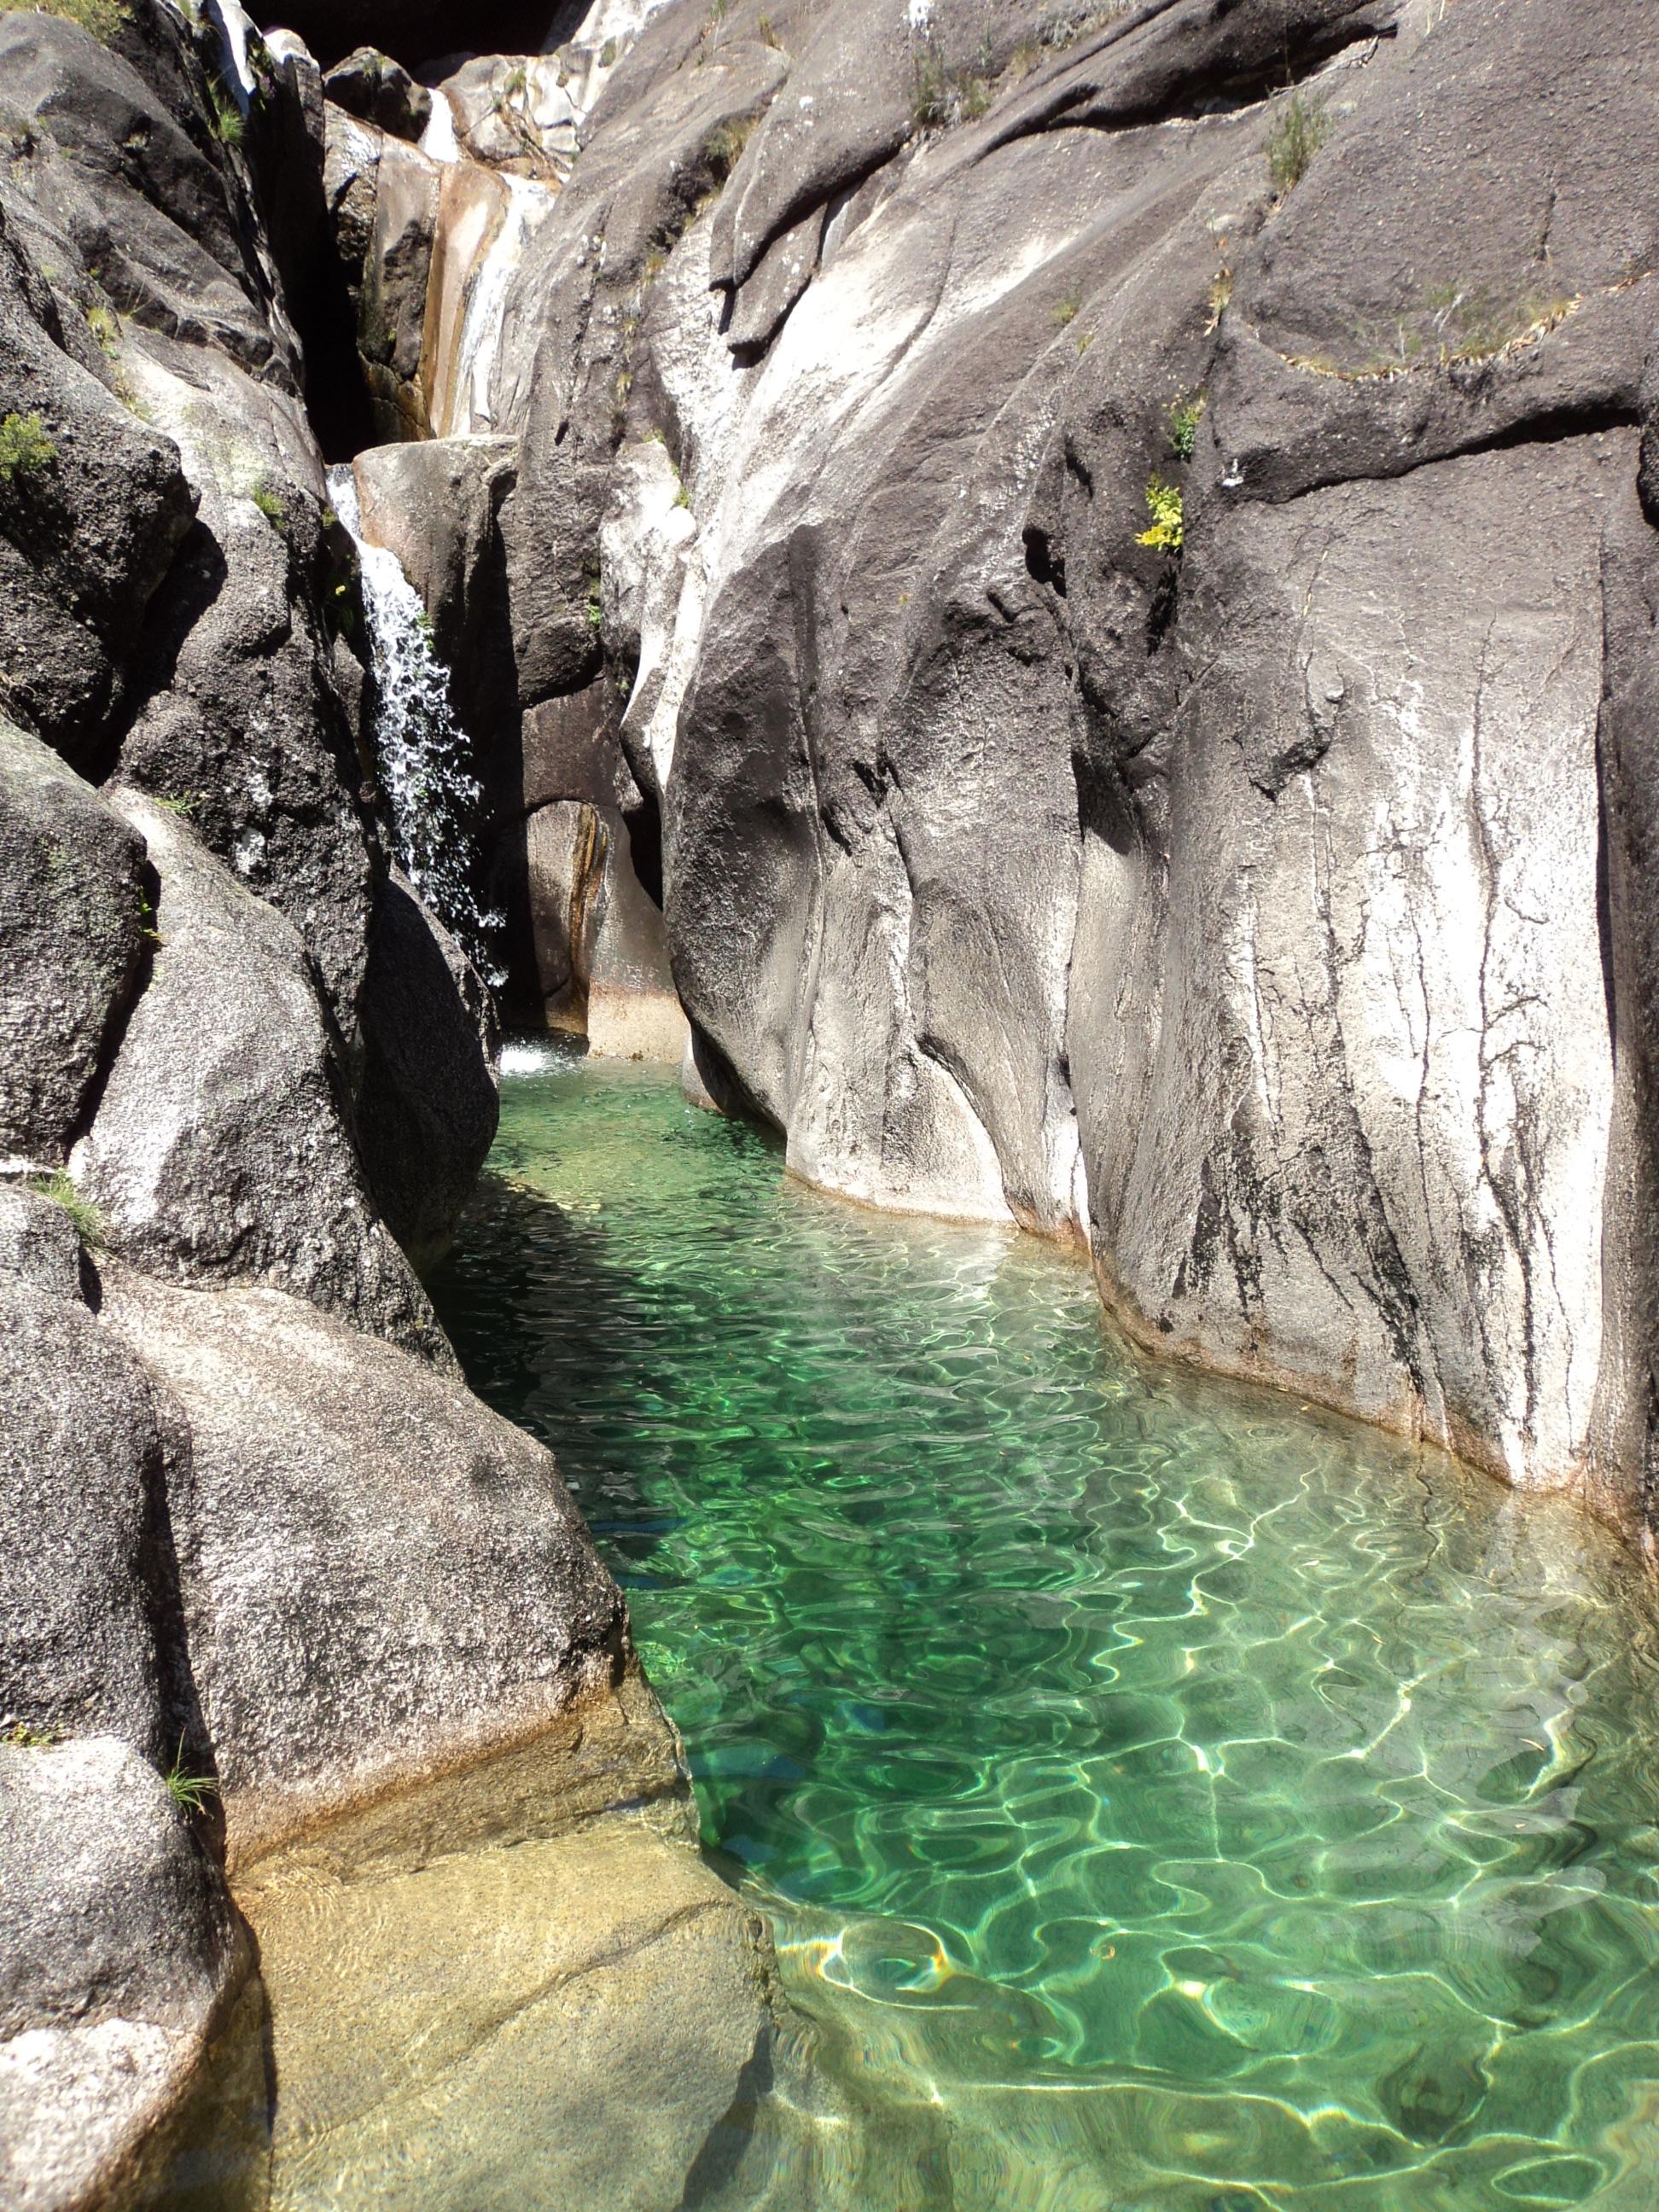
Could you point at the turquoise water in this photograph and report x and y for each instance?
(1165, 1795)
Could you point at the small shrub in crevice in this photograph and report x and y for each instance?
(1299, 130)
(726, 143)
(1065, 311)
(1164, 505)
(939, 97)
(930, 97)
(1183, 416)
(25, 448)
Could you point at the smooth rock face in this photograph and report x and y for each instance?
(89, 1606)
(129, 2027)
(72, 918)
(1261, 899)
(430, 1101)
(1382, 1078)
(219, 1152)
(382, 1579)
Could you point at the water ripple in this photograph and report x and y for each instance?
(1203, 1803)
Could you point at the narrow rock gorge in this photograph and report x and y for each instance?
(1056, 602)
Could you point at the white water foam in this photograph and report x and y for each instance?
(529, 1057)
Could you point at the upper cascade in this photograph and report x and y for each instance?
(422, 753)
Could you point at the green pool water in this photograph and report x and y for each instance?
(1173, 1797)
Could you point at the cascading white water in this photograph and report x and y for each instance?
(422, 750)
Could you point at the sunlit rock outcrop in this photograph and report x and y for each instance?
(1120, 530)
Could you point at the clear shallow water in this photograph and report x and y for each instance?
(1173, 1797)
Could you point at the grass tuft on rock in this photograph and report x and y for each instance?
(88, 1221)
(271, 504)
(20, 1736)
(226, 117)
(189, 1792)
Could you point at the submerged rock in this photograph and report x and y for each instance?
(565, 2024)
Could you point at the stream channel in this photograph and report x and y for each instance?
(1177, 1798)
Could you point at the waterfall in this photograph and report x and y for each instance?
(421, 752)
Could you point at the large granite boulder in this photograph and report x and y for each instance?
(220, 1150)
(430, 1101)
(381, 1580)
(89, 1621)
(132, 2066)
(174, 580)
(372, 87)
(73, 918)
(383, 196)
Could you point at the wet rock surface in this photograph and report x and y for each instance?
(427, 1115)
